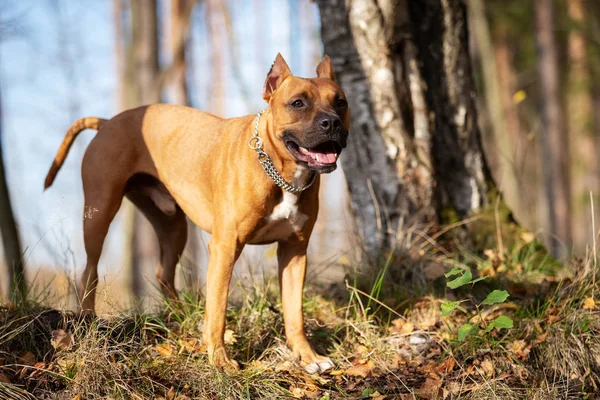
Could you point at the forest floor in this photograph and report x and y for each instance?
(406, 336)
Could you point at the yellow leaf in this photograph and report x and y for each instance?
(519, 96)
(337, 372)
(362, 370)
(402, 326)
(589, 304)
(527, 237)
(165, 349)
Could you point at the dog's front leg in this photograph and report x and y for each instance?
(292, 272)
(223, 252)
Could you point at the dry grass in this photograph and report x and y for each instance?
(387, 343)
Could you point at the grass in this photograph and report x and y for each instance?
(388, 341)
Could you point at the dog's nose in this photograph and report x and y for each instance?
(329, 123)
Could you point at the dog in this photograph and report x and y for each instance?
(246, 180)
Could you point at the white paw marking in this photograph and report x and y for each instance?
(319, 366)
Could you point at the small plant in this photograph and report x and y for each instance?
(464, 277)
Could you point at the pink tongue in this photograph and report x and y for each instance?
(328, 157)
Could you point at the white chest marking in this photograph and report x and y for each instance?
(286, 218)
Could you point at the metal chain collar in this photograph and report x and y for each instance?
(255, 144)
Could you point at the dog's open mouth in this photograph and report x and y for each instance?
(323, 155)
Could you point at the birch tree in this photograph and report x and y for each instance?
(415, 159)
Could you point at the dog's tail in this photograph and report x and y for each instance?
(78, 126)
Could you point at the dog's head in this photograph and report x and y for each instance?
(310, 115)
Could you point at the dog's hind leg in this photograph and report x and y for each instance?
(171, 231)
(101, 204)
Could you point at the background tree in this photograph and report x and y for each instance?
(142, 83)
(554, 155)
(415, 158)
(10, 236)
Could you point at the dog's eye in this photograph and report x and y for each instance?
(297, 104)
(341, 103)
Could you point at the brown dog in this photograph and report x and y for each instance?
(173, 161)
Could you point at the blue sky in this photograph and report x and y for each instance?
(58, 65)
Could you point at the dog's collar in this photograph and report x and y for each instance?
(255, 144)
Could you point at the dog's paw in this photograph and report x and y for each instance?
(316, 367)
(220, 360)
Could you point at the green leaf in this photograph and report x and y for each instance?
(464, 331)
(497, 296)
(448, 307)
(462, 280)
(503, 322)
(367, 392)
(489, 327)
(454, 271)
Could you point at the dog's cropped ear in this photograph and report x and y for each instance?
(279, 71)
(324, 69)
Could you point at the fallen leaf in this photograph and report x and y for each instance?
(165, 349)
(192, 346)
(336, 372)
(38, 368)
(4, 379)
(377, 396)
(519, 349)
(542, 338)
(171, 393)
(488, 368)
(61, 340)
(362, 370)
(553, 318)
(589, 304)
(446, 366)
(27, 358)
(402, 326)
(430, 388)
(229, 337)
(78, 397)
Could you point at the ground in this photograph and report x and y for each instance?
(405, 335)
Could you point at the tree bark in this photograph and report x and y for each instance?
(414, 158)
(11, 243)
(554, 153)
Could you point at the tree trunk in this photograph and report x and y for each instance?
(11, 243)
(554, 160)
(414, 158)
(180, 21)
(137, 63)
(494, 91)
(216, 23)
(579, 110)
